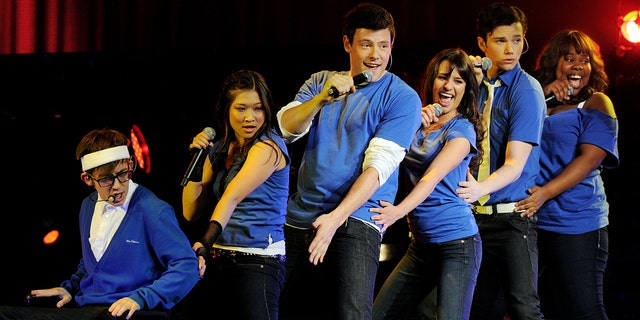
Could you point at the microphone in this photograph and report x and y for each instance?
(553, 96)
(198, 157)
(361, 79)
(110, 198)
(485, 64)
(438, 109)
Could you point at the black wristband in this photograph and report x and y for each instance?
(214, 230)
(202, 251)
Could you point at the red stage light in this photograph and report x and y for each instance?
(140, 149)
(629, 27)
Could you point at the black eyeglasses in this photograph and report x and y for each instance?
(123, 176)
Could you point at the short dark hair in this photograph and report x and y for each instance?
(368, 16)
(499, 14)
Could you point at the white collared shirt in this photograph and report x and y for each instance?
(105, 222)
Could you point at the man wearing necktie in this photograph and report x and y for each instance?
(513, 104)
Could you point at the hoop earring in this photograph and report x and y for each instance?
(526, 44)
(133, 163)
(390, 63)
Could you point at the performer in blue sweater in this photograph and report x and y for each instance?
(134, 254)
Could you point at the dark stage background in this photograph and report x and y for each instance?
(80, 65)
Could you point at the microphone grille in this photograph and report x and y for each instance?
(438, 109)
(210, 132)
(368, 75)
(486, 63)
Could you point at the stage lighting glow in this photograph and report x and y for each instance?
(629, 27)
(140, 149)
(51, 237)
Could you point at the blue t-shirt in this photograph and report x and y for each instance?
(583, 207)
(517, 113)
(259, 218)
(339, 135)
(442, 216)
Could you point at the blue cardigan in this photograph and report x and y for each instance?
(148, 260)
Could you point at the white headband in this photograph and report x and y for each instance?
(98, 158)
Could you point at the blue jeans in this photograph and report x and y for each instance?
(248, 287)
(342, 286)
(451, 267)
(572, 268)
(510, 264)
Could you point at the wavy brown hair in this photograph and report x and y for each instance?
(558, 47)
(458, 59)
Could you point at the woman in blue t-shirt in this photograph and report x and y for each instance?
(579, 139)
(445, 249)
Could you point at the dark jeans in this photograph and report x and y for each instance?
(452, 267)
(240, 287)
(341, 287)
(572, 268)
(510, 264)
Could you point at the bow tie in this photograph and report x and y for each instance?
(112, 208)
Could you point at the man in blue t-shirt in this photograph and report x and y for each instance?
(357, 136)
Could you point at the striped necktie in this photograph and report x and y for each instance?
(485, 166)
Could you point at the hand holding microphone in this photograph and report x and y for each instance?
(194, 171)
(480, 65)
(430, 114)
(358, 80)
(557, 89)
(485, 64)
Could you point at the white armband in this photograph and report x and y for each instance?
(290, 137)
(383, 155)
